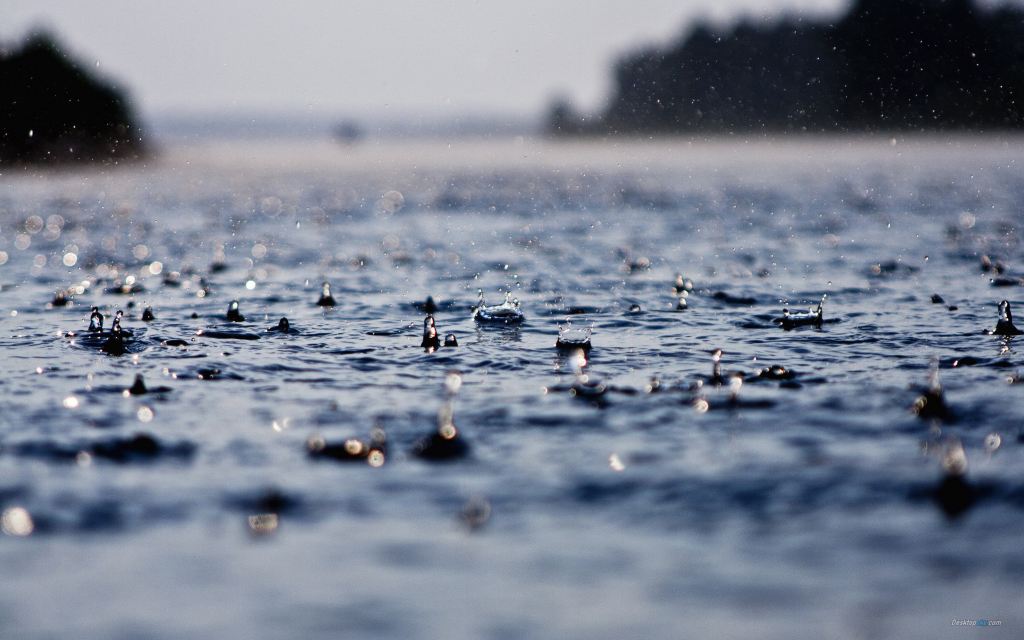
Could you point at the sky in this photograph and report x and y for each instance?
(357, 57)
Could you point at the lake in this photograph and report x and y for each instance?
(627, 493)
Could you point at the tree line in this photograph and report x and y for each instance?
(885, 65)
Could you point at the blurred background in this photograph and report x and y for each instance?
(405, 63)
(463, 69)
(458, 67)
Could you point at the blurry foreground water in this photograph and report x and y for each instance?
(623, 503)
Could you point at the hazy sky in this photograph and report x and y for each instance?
(358, 57)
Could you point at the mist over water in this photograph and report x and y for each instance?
(617, 500)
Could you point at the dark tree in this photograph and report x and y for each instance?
(884, 65)
(54, 111)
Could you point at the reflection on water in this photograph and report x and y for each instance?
(696, 465)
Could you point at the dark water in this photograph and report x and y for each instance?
(812, 507)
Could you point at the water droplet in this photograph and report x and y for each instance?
(993, 442)
(262, 524)
(16, 521)
(391, 202)
(955, 460)
(353, 447)
(453, 382)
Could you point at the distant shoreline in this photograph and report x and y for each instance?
(409, 160)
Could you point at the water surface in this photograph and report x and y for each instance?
(807, 510)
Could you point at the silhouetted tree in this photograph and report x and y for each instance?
(885, 64)
(53, 111)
